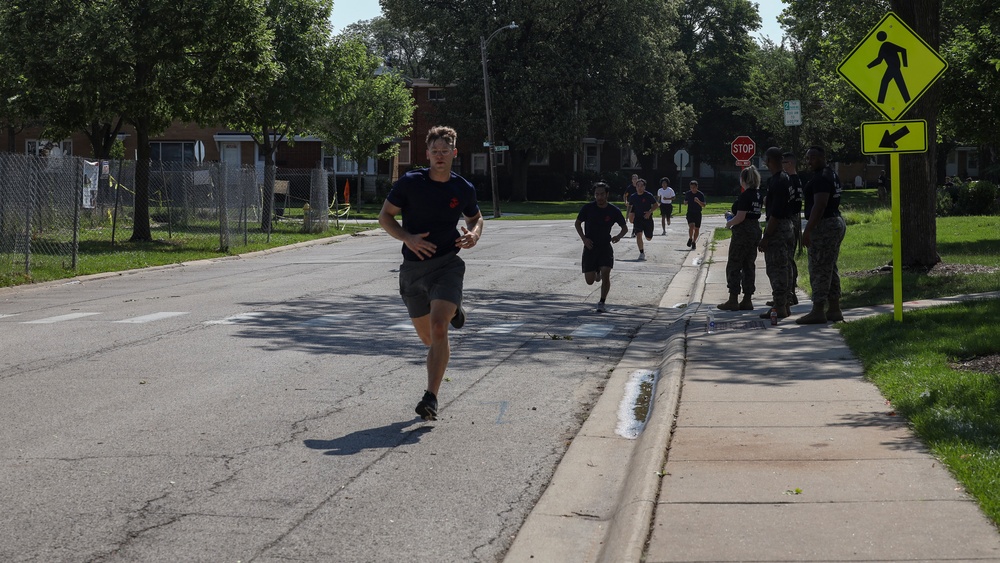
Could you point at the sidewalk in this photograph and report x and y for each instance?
(783, 452)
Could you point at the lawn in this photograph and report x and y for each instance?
(938, 368)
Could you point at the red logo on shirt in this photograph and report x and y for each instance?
(453, 203)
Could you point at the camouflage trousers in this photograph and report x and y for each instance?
(780, 261)
(741, 269)
(824, 250)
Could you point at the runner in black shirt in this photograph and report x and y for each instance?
(641, 207)
(593, 224)
(431, 277)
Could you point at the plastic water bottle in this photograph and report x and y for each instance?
(710, 325)
(774, 316)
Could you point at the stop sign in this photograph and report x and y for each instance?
(743, 149)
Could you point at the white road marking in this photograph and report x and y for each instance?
(2, 316)
(593, 331)
(408, 327)
(151, 318)
(60, 318)
(505, 328)
(236, 319)
(324, 320)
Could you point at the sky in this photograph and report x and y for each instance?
(346, 12)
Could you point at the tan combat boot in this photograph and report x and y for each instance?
(815, 317)
(833, 312)
(733, 304)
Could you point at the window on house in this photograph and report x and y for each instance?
(972, 160)
(629, 160)
(480, 163)
(591, 158)
(435, 94)
(172, 151)
(539, 159)
(45, 147)
(404, 152)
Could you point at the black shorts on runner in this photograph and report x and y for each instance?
(666, 210)
(644, 226)
(601, 256)
(694, 220)
(422, 281)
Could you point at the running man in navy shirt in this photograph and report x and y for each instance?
(641, 205)
(593, 224)
(431, 201)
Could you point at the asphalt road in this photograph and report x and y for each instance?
(261, 408)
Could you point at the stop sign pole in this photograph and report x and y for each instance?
(743, 149)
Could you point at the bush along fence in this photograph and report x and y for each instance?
(50, 206)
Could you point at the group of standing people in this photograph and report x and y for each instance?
(782, 234)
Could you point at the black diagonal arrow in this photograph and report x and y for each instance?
(889, 140)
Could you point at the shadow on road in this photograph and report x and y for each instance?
(383, 437)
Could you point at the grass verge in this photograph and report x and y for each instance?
(956, 412)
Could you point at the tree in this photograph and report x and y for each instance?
(567, 68)
(308, 80)
(378, 110)
(972, 49)
(715, 39)
(403, 50)
(148, 61)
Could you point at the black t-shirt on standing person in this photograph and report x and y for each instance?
(749, 201)
(598, 221)
(433, 207)
(778, 201)
(824, 181)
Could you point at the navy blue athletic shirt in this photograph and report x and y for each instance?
(433, 207)
(598, 221)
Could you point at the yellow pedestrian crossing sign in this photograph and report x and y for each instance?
(892, 67)
(894, 137)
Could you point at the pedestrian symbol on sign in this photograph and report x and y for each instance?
(894, 58)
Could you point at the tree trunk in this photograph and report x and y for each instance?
(519, 186)
(917, 181)
(140, 226)
(11, 139)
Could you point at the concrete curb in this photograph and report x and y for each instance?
(629, 530)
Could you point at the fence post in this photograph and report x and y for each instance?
(78, 201)
(33, 177)
(223, 207)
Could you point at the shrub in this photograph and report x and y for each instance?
(945, 205)
(977, 198)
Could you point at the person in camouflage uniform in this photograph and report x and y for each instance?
(822, 236)
(744, 220)
(778, 241)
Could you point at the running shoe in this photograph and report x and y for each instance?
(600, 307)
(642, 256)
(689, 243)
(458, 321)
(427, 408)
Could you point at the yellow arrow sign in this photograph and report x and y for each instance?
(889, 137)
(892, 67)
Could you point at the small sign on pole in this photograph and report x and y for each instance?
(793, 113)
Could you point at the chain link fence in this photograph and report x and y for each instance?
(50, 208)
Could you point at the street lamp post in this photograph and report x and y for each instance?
(489, 118)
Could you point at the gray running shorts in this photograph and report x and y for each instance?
(422, 281)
